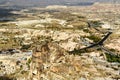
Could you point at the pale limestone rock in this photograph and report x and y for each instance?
(60, 36)
(114, 44)
(70, 26)
(69, 46)
(56, 7)
(106, 26)
(94, 54)
(39, 26)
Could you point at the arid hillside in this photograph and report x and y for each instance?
(61, 43)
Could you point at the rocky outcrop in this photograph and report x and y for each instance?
(51, 62)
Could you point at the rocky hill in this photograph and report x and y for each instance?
(70, 43)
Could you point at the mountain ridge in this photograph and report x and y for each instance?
(50, 2)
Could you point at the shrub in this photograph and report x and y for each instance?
(6, 78)
(113, 58)
(86, 30)
(25, 47)
(94, 38)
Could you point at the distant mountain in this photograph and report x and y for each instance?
(51, 2)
